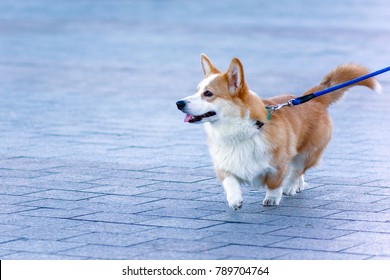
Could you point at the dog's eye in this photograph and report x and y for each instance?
(208, 93)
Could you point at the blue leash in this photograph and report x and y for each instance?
(305, 98)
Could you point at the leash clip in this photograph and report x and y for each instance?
(279, 106)
(273, 108)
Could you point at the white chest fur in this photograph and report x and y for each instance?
(240, 149)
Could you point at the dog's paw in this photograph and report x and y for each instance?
(296, 187)
(291, 191)
(235, 203)
(302, 186)
(271, 201)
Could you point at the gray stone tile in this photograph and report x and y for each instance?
(104, 252)
(341, 196)
(65, 195)
(107, 227)
(250, 239)
(54, 204)
(111, 239)
(43, 233)
(248, 252)
(39, 256)
(25, 174)
(174, 255)
(180, 213)
(314, 244)
(5, 239)
(221, 205)
(176, 194)
(25, 163)
(296, 201)
(342, 180)
(361, 216)
(120, 190)
(180, 223)
(381, 191)
(179, 178)
(370, 248)
(18, 190)
(153, 176)
(121, 199)
(204, 186)
(178, 233)
(114, 218)
(39, 246)
(189, 246)
(245, 228)
(350, 190)
(301, 212)
(5, 253)
(379, 257)
(123, 208)
(314, 233)
(122, 182)
(355, 206)
(240, 217)
(305, 222)
(57, 213)
(189, 204)
(379, 183)
(318, 255)
(75, 177)
(55, 223)
(6, 228)
(367, 237)
(63, 185)
(12, 199)
(11, 209)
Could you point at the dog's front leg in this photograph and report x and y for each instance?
(233, 192)
(273, 196)
(274, 185)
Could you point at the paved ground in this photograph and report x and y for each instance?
(96, 162)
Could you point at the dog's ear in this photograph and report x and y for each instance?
(235, 76)
(207, 66)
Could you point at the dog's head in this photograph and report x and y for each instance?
(219, 95)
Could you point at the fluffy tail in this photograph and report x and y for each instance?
(340, 75)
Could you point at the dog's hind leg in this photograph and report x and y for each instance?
(301, 184)
(294, 181)
(295, 184)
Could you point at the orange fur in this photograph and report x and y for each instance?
(339, 75)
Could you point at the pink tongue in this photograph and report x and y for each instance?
(187, 118)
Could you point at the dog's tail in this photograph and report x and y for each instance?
(340, 75)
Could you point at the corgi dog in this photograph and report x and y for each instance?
(246, 147)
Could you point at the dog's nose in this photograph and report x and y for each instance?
(181, 104)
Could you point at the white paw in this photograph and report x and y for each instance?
(235, 202)
(273, 197)
(291, 191)
(271, 201)
(302, 186)
(297, 187)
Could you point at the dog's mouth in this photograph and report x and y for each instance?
(194, 119)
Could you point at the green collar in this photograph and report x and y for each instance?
(269, 112)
